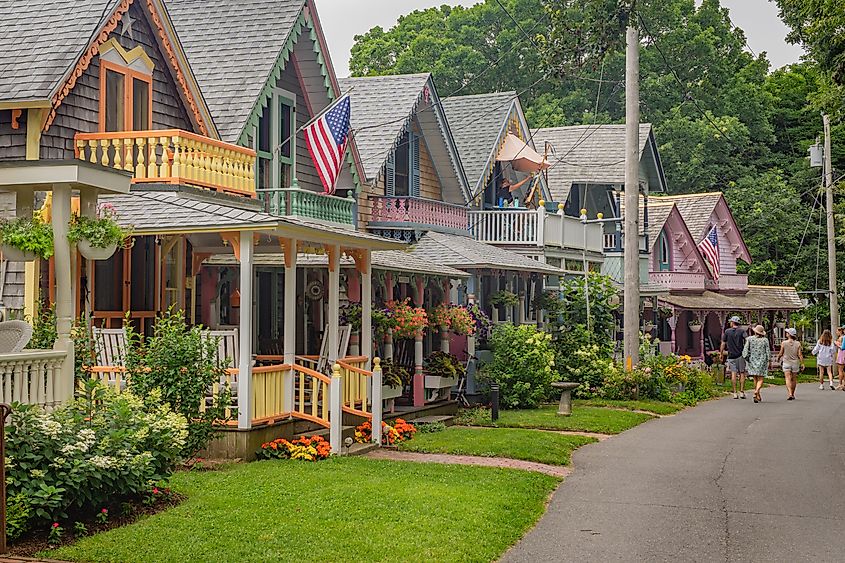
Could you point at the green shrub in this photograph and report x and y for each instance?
(181, 362)
(523, 365)
(18, 514)
(96, 450)
(442, 364)
(476, 416)
(44, 331)
(589, 366)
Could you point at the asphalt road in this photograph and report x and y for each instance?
(729, 480)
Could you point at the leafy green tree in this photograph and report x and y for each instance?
(817, 25)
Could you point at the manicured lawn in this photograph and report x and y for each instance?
(657, 407)
(513, 443)
(583, 419)
(344, 509)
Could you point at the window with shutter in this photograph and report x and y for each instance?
(414, 158)
(390, 175)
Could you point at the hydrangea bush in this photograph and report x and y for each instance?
(97, 450)
(523, 365)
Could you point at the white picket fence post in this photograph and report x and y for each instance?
(336, 410)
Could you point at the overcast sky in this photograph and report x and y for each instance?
(344, 19)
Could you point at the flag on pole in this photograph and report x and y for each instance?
(326, 139)
(709, 248)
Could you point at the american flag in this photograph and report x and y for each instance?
(709, 248)
(326, 139)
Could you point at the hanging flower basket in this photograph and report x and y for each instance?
(97, 238)
(695, 326)
(648, 326)
(26, 238)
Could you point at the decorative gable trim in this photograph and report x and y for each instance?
(136, 57)
(102, 38)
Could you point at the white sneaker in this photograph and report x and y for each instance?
(821, 386)
(736, 396)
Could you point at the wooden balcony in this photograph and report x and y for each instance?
(729, 282)
(679, 281)
(405, 212)
(172, 156)
(530, 227)
(305, 204)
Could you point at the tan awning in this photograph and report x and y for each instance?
(521, 156)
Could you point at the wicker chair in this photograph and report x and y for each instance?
(14, 336)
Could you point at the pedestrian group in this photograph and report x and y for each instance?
(752, 354)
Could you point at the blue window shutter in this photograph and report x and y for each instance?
(414, 160)
(390, 175)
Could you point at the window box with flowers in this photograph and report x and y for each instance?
(97, 238)
(25, 239)
(442, 370)
(393, 377)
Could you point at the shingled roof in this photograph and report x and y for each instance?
(232, 48)
(595, 154)
(463, 253)
(696, 210)
(477, 123)
(384, 106)
(41, 40)
(759, 297)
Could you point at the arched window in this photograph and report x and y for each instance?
(664, 252)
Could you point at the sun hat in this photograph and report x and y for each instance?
(735, 319)
(760, 330)
(791, 331)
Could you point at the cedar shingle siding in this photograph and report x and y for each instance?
(12, 141)
(79, 112)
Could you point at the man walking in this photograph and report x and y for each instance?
(732, 343)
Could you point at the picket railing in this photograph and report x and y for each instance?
(32, 377)
(357, 383)
(508, 226)
(311, 395)
(268, 393)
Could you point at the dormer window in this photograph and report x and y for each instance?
(402, 171)
(126, 88)
(276, 141)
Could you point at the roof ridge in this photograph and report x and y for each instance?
(511, 93)
(682, 196)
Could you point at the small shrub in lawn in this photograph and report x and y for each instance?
(100, 448)
(523, 365)
(314, 448)
(80, 529)
(55, 536)
(431, 427)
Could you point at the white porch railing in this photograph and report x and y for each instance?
(507, 226)
(32, 377)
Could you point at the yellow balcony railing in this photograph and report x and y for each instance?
(172, 156)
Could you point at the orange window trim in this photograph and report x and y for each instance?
(128, 90)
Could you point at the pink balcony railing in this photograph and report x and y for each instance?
(410, 212)
(678, 281)
(729, 282)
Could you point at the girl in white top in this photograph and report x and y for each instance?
(825, 353)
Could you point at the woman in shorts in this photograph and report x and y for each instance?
(825, 353)
(792, 361)
(840, 357)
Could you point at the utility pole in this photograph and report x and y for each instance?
(831, 232)
(631, 331)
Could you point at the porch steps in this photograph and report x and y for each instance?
(348, 432)
(448, 420)
(361, 449)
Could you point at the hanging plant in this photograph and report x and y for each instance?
(454, 318)
(665, 312)
(98, 237)
(483, 324)
(382, 321)
(407, 320)
(504, 298)
(26, 238)
(350, 314)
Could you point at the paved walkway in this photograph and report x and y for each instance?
(556, 470)
(726, 481)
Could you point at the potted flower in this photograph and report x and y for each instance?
(26, 238)
(442, 370)
(440, 318)
(98, 237)
(695, 325)
(504, 299)
(483, 324)
(463, 323)
(407, 320)
(665, 312)
(780, 320)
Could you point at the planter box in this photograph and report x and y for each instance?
(388, 392)
(13, 254)
(437, 382)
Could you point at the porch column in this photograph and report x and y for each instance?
(245, 332)
(365, 267)
(521, 290)
(64, 288)
(444, 332)
(471, 301)
(388, 337)
(702, 315)
(419, 378)
(672, 322)
(289, 343)
(333, 252)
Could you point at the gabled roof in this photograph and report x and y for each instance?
(47, 45)
(232, 48)
(595, 154)
(697, 210)
(384, 106)
(479, 124)
(758, 297)
(463, 253)
(41, 40)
